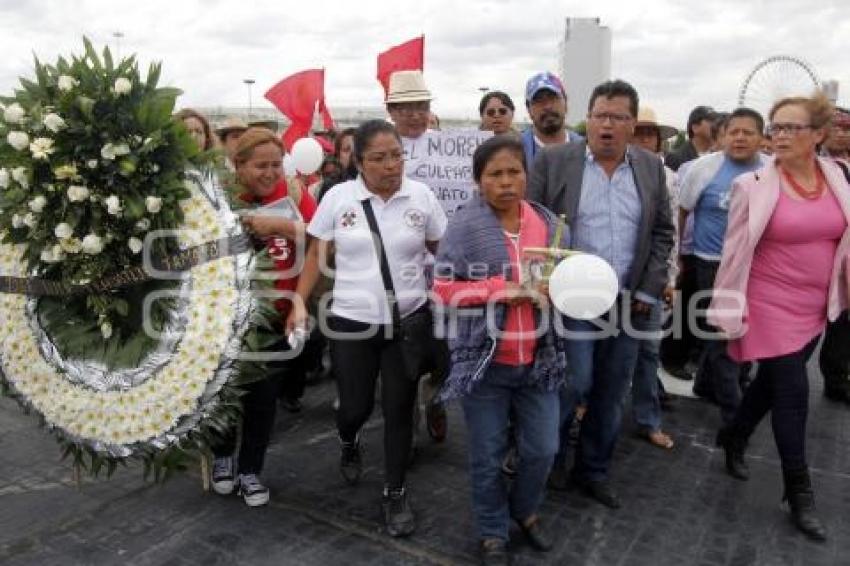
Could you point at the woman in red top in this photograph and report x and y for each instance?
(258, 159)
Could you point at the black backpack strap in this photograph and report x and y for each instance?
(385, 264)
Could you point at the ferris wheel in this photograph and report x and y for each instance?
(774, 78)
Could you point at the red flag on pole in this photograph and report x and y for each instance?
(297, 97)
(408, 56)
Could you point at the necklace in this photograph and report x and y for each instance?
(803, 192)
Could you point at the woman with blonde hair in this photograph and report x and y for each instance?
(258, 160)
(782, 274)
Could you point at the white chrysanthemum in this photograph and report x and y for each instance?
(41, 148)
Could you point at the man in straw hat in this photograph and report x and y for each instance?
(228, 132)
(647, 390)
(409, 103)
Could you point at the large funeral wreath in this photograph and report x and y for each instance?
(98, 184)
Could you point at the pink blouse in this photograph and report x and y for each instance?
(788, 286)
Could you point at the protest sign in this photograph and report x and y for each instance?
(443, 161)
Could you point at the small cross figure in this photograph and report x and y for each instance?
(349, 219)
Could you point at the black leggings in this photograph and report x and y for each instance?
(781, 386)
(356, 361)
(259, 405)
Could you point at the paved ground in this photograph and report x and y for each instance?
(679, 506)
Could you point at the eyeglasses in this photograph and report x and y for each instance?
(411, 108)
(501, 111)
(613, 116)
(381, 158)
(786, 128)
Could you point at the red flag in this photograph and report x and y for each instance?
(408, 56)
(297, 96)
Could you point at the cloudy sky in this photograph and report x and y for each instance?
(678, 53)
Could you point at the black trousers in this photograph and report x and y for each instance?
(259, 405)
(781, 386)
(717, 373)
(835, 354)
(357, 361)
(677, 351)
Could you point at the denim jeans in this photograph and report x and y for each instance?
(645, 405)
(503, 391)
(607, 362)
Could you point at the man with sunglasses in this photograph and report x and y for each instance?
(546, 102)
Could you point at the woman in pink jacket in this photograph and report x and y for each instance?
(783, 272)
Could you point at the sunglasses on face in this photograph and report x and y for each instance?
(501, 111)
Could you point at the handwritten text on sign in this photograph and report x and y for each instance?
(443, 161)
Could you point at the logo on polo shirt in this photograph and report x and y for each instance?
(348, 218)
(414, 218)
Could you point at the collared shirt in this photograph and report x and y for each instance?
(410, 218)
(609, 213)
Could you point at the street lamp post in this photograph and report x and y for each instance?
(118, 35)
(249, 82)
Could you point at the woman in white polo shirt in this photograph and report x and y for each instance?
(411, 221)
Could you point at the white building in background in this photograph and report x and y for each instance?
(584, 62)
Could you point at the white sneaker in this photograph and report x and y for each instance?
(252, 491)
(222, 475)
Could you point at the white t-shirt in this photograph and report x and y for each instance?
(411, 217)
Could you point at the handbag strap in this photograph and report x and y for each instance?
(385, 264)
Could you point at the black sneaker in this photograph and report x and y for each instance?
(398, 516)
(252, 491)
(351, 462)
(222, 475)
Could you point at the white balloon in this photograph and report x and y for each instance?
(583, 286)
(289, 166)
(307, 155)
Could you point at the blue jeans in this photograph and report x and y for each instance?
(504, 391)
(607, 363)
(645, 405)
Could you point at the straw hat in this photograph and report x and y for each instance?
(231, 124)
(267, 124)
(646, 117)
(407, 86)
